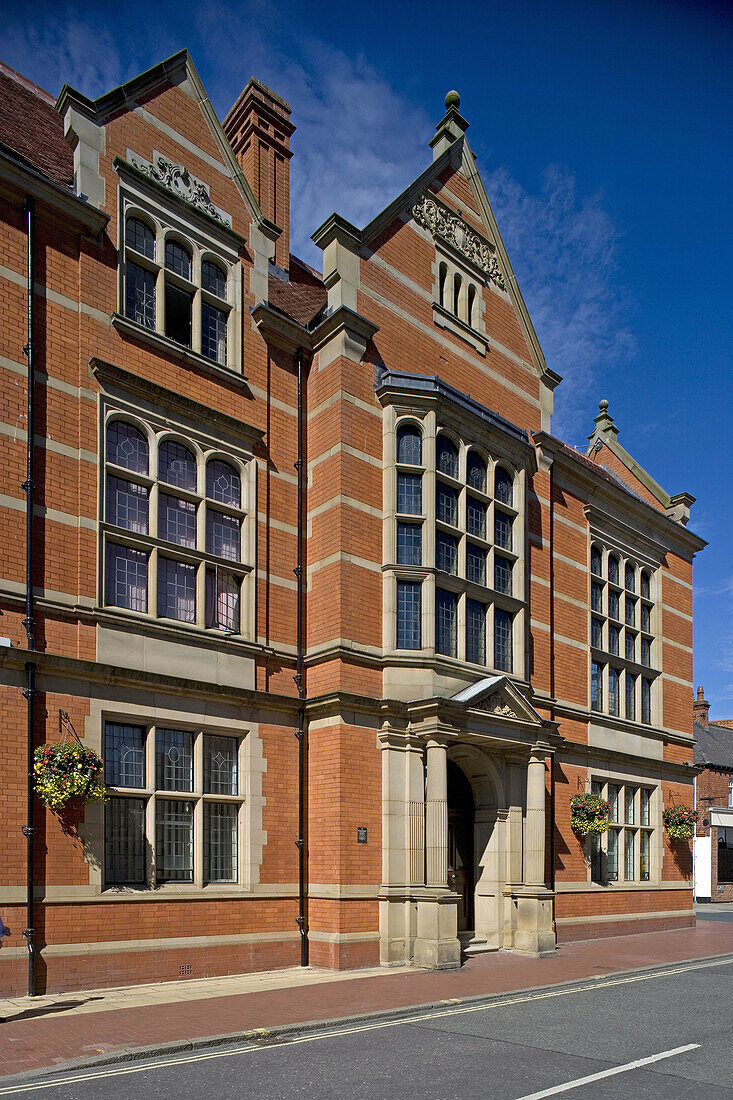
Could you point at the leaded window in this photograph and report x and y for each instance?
(409, 610)
(446, 639)
(409, 544)
(623, 853)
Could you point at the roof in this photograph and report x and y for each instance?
(714, 745)
(302, 296)
(32, 130)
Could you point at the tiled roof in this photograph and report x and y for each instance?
(32, 130)
(714, 745)
(302, 297)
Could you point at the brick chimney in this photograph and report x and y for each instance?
(700, 708)
(259, 130)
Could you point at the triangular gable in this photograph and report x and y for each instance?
(497, 695)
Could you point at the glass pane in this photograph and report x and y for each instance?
(629, 868)
(596, 787)
(127, 504)
(124, 755)
(223, 599)
(613, 606)
(176, 520)
(176, 590)
(612, 857)
(127, 446)
(476, 472)
(177, 465)
(644, 856)
(223, 535)
(223, 483)
(595, 561)
(475, 632)
(446, 553)
(173, 760)
(124, 842)
(475, 518)
(445, 623)
(174, 837)
(630, 578)
(447, 457)
(613, 569)
(646, 618)
(214, 333)
(613, 799)
(645, 585)
(502, 530)
(408, 615)
(646, 652)
(502, 640)
(139, 295)
(630, 805)
(126, 577)
(178, 259)
(220, 842)
(503, 487)
(613, 638)
(630, 696)
(178, 307)
(213, 279)
(596, 633)
(140, 236)
(409, 544)
(596, 863)
(630, 648)
(646, 701)
(596, 596)
(629, 611)
(446, 505)
(409, 494)
(220, 764)
(644, 801)
(613, 701)
(502, 575)
(596, 686)
(475, 565)
(409, 446)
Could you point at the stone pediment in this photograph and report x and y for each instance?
(497, 695)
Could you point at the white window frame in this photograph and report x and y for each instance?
(621, 826)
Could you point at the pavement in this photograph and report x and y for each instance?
(101, 1026)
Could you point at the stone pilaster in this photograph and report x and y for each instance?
(534, 838)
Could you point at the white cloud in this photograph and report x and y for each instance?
(72, 50)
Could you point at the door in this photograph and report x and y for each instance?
(460, 844)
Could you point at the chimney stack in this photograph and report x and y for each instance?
(700, 708)
(259, 130)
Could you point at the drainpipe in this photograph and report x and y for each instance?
(29, 830)
(302, 918)
(552, 676)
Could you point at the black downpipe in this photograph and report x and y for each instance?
(552, 677)
(29, 830)
(302, 918)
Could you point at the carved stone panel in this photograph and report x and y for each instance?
(447, 226)
(178, 179)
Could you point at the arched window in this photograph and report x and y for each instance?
(140, 236)
(596, 560)
(442, 279)
(457, 282)
(613, 573)
(630, 577)
(476, 472)
(223, 483)
(178, 259)
(471, 305)
(645, 586)
(213, 279)
(409, 445)
(447, 457)
(503, 486)
(177, 465)
(127, 446)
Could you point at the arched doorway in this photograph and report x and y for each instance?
(461, 856)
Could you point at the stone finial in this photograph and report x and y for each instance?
(452, 100)
(603, 405)
(604, 425)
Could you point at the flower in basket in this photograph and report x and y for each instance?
(680, 822)
(63, 772)
(589, 813)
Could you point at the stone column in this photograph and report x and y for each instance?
(436, 814)
(534, 842)
(436, 943)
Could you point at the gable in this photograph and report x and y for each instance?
(498, 696)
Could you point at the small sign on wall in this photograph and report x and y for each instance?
(361, 834)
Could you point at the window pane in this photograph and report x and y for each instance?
(502, 575)
(595, 561)
(613, 639)
(140, 236)
(629, 869)
(630, 578)
(475, 518)
(173, 760)
(596, 596)
(646, 701)
(409, 494)
(596, 633)
(223, 535)
(612, 864)
(445, 623)
(476, 472)
(176, 590)
(178, 306)
(220, 842)
(177, 465)
(127, 446)
(613, 700)
(645, 618)
(408, 615)
(475, 632)
(223, 599)
(139, 295)
(646, 652)
(630, 648)
(613, 569)
(613, 606)
(176, 520)
(502, 640)
(126, 577)
(124, 842)
(503, 487)
(127, 504)
(220, 765)
(447, 457)
(213, 279)
(596, 863)
(644, 856)
(174, 834)
(223, 483)
(614, 794)
(475, 564)
(409, 544)
(630, 696)
(596, 686)
(446, 505)
(178, 259)
(502, 530)
(124, 755)
(409, 446)
(630, 805)
(644, 800)
(214, 333)
(629, 611)
(446, 553)
(645, 585)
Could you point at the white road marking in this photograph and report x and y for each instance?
(232, 1052)
(609, 1072)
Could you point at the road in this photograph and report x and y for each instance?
(526, 1045)
(715, 911)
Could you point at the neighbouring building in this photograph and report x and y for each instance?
(713, 845)
(348, 625)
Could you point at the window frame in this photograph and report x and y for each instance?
(626, 823)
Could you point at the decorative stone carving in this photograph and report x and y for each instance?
(496, 705)
(179, 180)
(443, 223)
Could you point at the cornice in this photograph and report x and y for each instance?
(343, 319)
(280, 331)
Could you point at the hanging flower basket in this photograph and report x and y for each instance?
(680, 822)
(589, 814)
(67, 771)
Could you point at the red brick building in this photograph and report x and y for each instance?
(713, 846)
(347, 623)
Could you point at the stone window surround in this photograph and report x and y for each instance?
(168, 222)
(443, 313)
(656, 845)
(491, 451)
(158, 428)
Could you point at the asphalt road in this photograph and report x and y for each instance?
(711, 911)
(527, 1045)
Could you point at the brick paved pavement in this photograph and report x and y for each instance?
(68, 1034)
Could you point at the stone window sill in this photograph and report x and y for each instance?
(444, 319)
(154, 339)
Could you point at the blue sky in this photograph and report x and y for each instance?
(602, 131)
